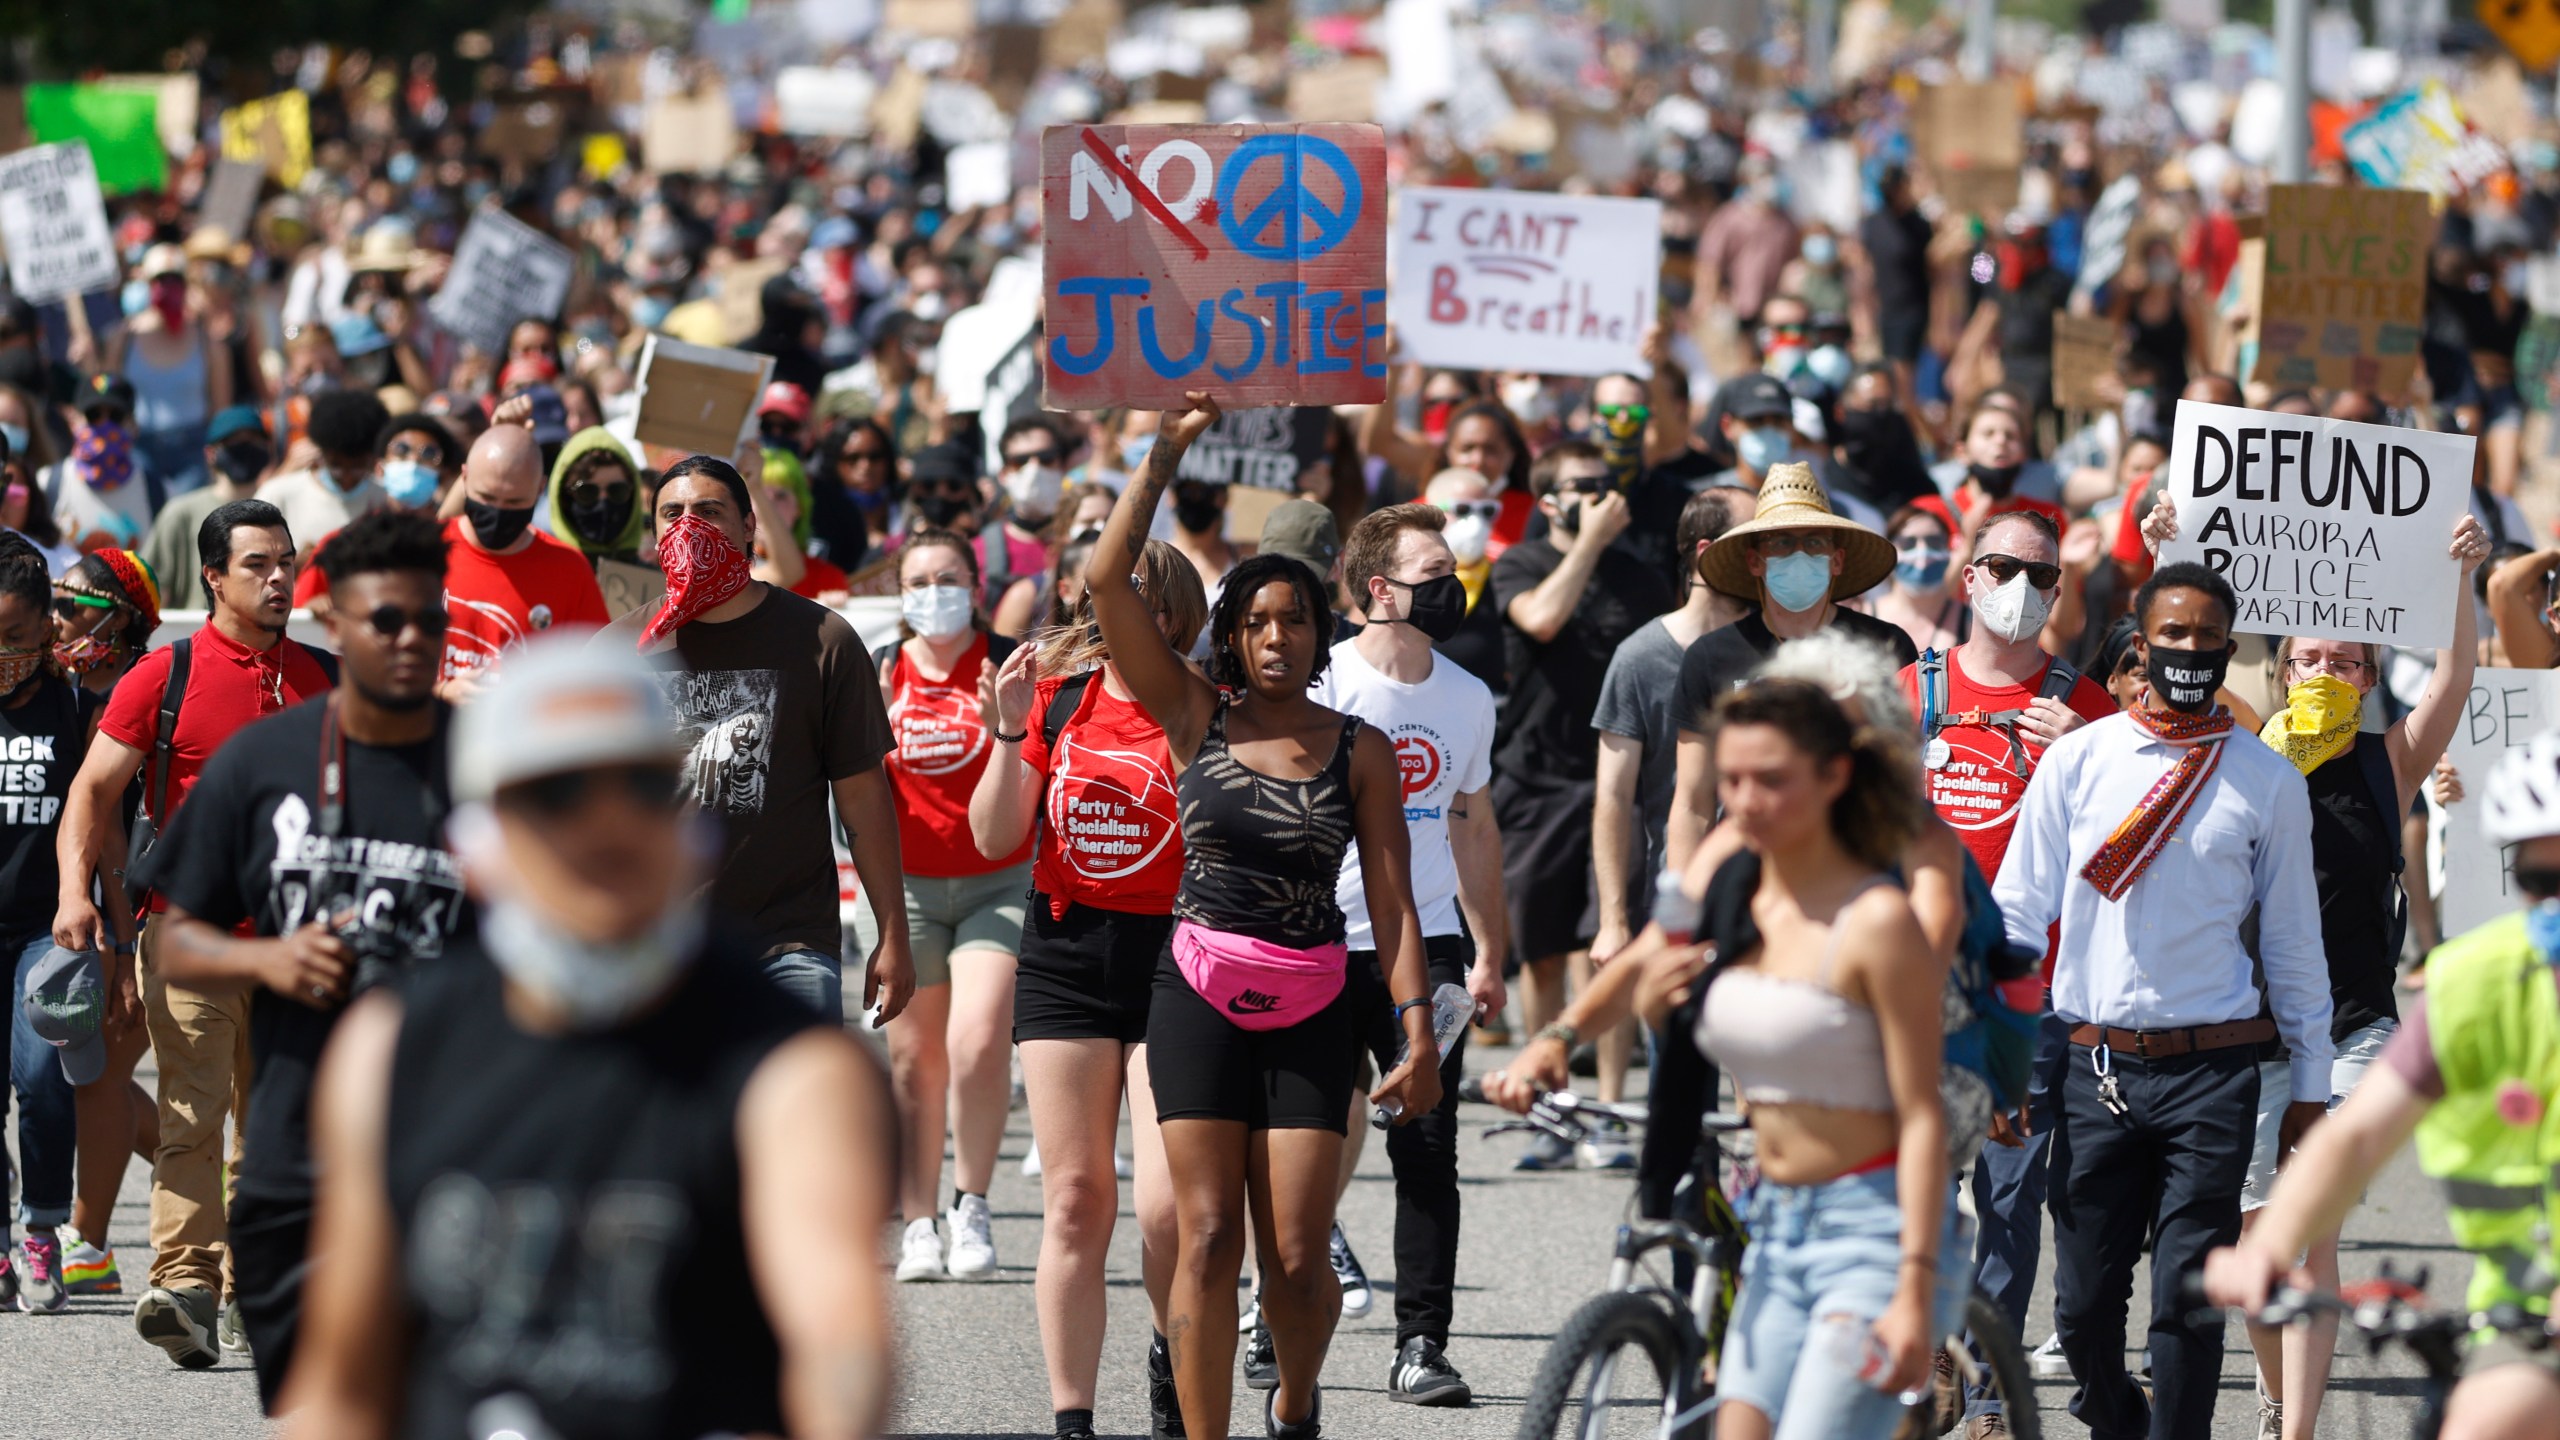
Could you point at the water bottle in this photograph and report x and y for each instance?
(1451, 1009)
(1852, 1346)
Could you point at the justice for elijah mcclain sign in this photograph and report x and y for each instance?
(2324, 528)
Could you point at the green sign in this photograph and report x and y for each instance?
(121, 126)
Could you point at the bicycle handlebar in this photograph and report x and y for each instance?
(2390, 1309)
(1569, 1116)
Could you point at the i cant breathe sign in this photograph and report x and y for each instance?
(2324, 528)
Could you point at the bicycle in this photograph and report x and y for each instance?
(1677, 1329)
(2388, 1310)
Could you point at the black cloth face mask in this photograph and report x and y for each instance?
(497, 528)
(2187, 680)
(1996, 480)
(1438, 608)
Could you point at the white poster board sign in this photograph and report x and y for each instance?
(820, 100)
(503, 271)
(53, 219)
(978, 175)
(1514, 280)
(2324, 528)
(2506, 708)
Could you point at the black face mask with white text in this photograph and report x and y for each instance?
(2187, 680)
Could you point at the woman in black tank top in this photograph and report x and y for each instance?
(1250, 1038)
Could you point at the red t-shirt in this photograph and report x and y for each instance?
(228, 686)
(1947, 517)
(1510, 523)
(821, 577)
(1977, 791)
(939, 748)
(1111, 829)
(503, 600)
(308, 583)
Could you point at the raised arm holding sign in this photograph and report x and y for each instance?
(2324, 528)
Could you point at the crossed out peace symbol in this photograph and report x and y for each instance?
(1290, 205)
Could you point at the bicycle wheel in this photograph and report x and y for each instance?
(1622, 1367)
(2004, 1365)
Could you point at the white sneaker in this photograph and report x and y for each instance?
(920, 1253)
(973, 1241)
(2047, 1362)
(1031, 1159)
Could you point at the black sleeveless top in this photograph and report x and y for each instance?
(1260, 855)
(2353, 840)
(568, 1208)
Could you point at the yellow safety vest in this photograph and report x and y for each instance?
(2493, 1142)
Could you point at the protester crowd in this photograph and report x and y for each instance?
(1779, 717)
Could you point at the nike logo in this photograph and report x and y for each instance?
(1253, 1002)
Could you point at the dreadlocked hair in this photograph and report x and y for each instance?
(1226, 667)
(1164, 579)
(1881, 810)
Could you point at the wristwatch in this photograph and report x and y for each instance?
(1560, 1031)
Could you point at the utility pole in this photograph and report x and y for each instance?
(1975, 60)
(2293, 73)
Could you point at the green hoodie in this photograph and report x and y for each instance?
(634, 525)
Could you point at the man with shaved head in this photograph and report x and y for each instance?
(506, 582)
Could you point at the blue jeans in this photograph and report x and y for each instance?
(2008, 1200)
(1822, 1267)
(811, 977)
(46, 1127)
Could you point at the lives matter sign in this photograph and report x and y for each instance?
(53, 219)
(2324, 528)
(2505, 709)
(1247, 261)
(504, 271)
(1512, 280)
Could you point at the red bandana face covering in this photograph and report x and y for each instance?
(703, 570)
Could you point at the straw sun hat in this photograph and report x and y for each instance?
(1791, 499)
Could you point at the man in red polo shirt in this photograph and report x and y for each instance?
(239, 668)
(506, 582)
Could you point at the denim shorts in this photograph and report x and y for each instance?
(1821, 1268)
(2356, 1055)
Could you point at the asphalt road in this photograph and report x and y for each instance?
(1535, 1246)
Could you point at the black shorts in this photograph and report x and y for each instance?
(1205, 1066)
(270, 1242)
(1903, 331)
(1087, 974)
(1546, 865)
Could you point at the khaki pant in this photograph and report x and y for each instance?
(203, 1044)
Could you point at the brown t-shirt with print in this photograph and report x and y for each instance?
(774, 705)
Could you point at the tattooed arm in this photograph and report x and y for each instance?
(1179, 699)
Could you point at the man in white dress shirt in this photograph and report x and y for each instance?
(2149, 836)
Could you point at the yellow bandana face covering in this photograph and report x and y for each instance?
(2318, 722)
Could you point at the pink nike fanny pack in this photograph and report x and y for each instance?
(1256, 984)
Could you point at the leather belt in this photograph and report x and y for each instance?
(2169, 1044)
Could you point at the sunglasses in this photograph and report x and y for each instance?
(1782, 544)
(388, 621)
(431, 456)
(1920, 544)
(2538, 883)
(1485, 510)
(1586, 485)
(864, 457)
(944, 487)
(1612, 412)
(2005, 568)
(67, 605)
(106, 415)
(1046, 456)
(588, 492)
(650, 787)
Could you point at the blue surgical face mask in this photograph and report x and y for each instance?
(1820, 250)
(1831, 365)
(135, 298)
(650, 311)
(1133, 452)
(2542, 930)
(401, 168)
(1762, 447)
(1921, 569)
(17, 437)
(410, 485)
(1798, 582)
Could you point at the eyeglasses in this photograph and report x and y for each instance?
(68, 604)
(2005, 568)
(424, 452)
(2338, 665)
(650, 787)
(1783, 544)
(1485, 510)
(2538, 883)
(388, 621)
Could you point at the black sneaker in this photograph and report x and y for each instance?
(1421, 1375)
(1357, 1297)
(1164, 1402)
(1261, 1366)
(1311, 1428)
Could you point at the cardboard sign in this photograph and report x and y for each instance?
(1248, 261)
(628, 586)
(1259, 449)
(943, 19)
(689, 134)
(275, 132)
(503, 271)
(53, 221)
(1516, 280)
(2344, 288)
(1969, 137)
(231, 196)
(696, 399)
(2324, 528)
(2505, 710)
(1081, 35)
(2084, 353)
(1345, 92)
(523, 132)
(741, 296)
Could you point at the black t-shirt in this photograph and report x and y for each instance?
(248, 845)
(1723, 658)
(2026, 334)
(1898, 247)
(2351, 848)
(1477, 647)
(1545, 727)
(41, 745)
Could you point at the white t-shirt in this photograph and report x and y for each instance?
(1443, 733)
